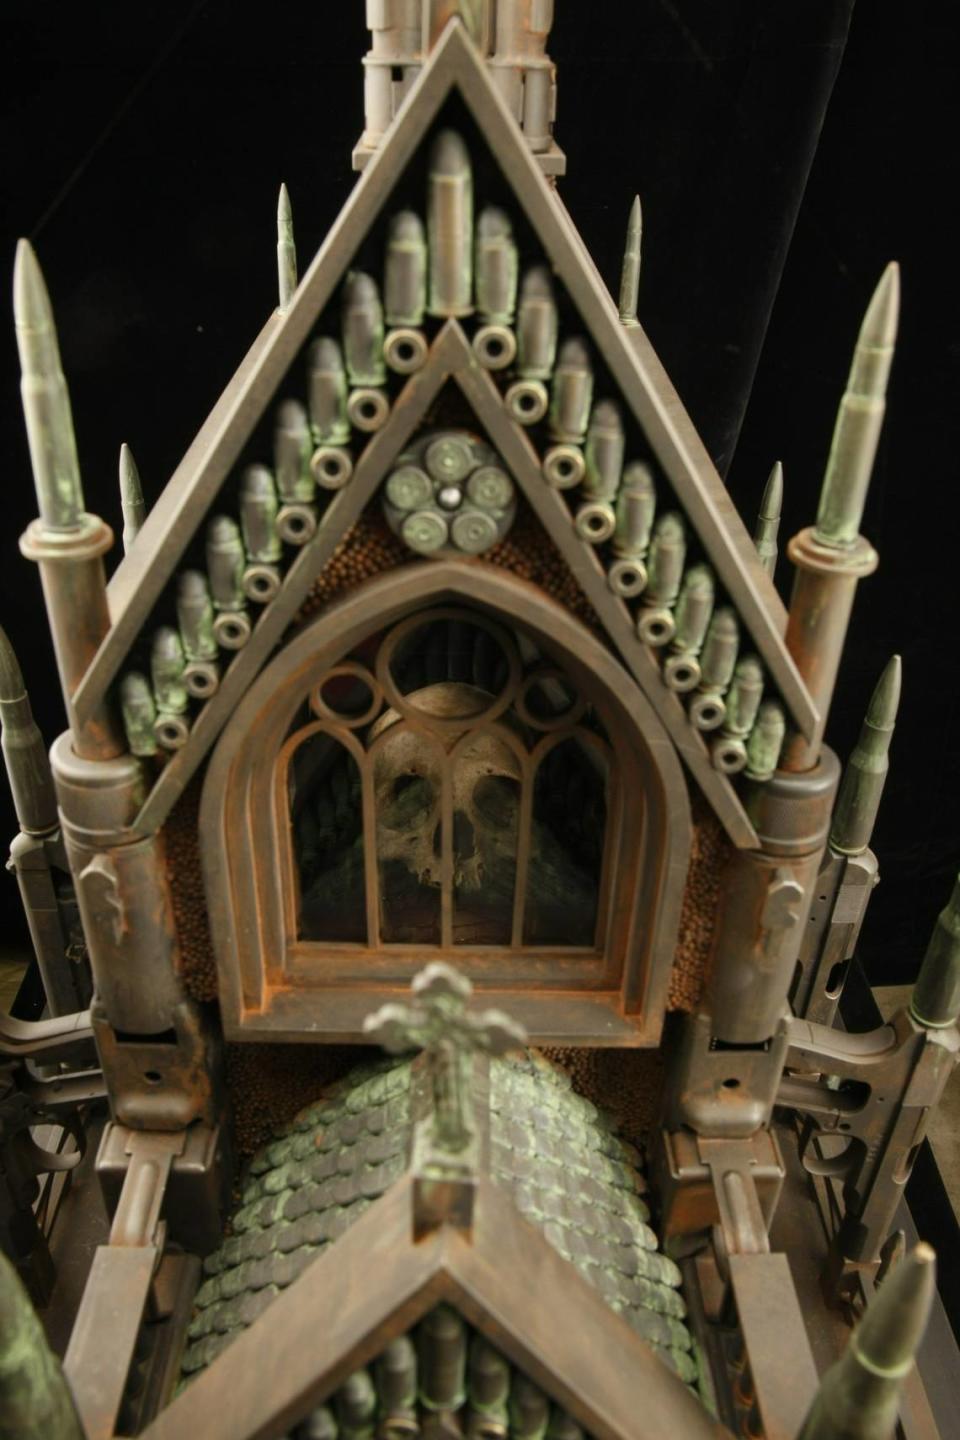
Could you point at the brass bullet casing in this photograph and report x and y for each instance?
(595, 521)
(409, 488)
(935, 1002)
(405, 350)
(529, 1409)
(768, 521)
(327, 393)
(405, 280)
(132, 505)
(167, 664)
(450, 227)
(258, 519)
(766, 741)
(362, 318)
(603, 455)
(495, 346)
(449, 459)
(571, 394)
(718, 657)
(443, 1357)
(563, 466)
(537, 326)
(319, 1425)
(738, 712)
(473, 532)
(368, 410)
(865, 775)
(527, 401)
(630, 274)
(195, 621)
(296, 486)
(681, 672)
(396, 1382)
(425, 532)
(488, 1380)
(497, 268)
(286, 251)
(636, 507)
(25, 754)
(331, 467)
(655, 622)
(139, 713)
(225, 567)
(356, 1405)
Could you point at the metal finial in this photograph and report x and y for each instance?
(46, 403)
(286, 250)
(630, 275)
(438, 1023)
(131, 497)
(768, 520)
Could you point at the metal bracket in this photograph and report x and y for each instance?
(137, 1217)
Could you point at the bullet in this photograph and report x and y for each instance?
(405, 350)
(425, 532)
(529, 1410)
(331, 467)
(286, 250)
(488, 1384)
(28, 768)
(473, 531)
(167, 664)
(319, 1425)
(563, 1427)
(630, 274)
(935, 1002)
(563, 466)
(694, 607)
(363, 331)
(768, 521)
(46, 403)
(717, 660)
(368, 410)
(859, 418)
(131, 498)
(497, 268)
(139, 713)
(35, 1399)
(668, 549)
(292, 448)
(737, 714)
(527, 401)
(572, 394)
(258, 519)
(766, 741)
(409, 488)
(327, 393)
(225, 566)
(491, 488)
(396, 1378)
(859, 1396)
(537, 325)
(405, 278)
(195, 622)
(442, 1354)
(450, 227)
(635, 509)
(604, 451)
(866, 773)
(356, 1406)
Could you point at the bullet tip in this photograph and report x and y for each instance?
(11, 678)
(879, 329)
(772, 502)
(31, 303)
(892, 1328)
(885, 700)
(284, 212)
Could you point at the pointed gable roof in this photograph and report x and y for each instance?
(644, 387)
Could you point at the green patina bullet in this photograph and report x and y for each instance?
(195, 620)
(356, 1406)
(717, 661)
(498, 268)
(46, 403)
(450, 227)
(167, 664)
(132, 504)
(635, 510)
(442, 1354)
(768, 521)
(603, 458)
(319, 1425)
(936, 996)
(363, 331)
(859, 418)
(668, 550)
(226, 563)
(28, 768)
(766, 741)
(258, 515)
(859, 1396)
(630, 274)
(286, 250)
(694, 607)
(327, 393)
(35, 1399)
(866, 772)
(139, 713)
(537, 325)
(396, 1379)
(488, 1387)
(529, 1410)
(405, 277)
(292, 448)
(737, 714)
(571, 394)
(563, 1427)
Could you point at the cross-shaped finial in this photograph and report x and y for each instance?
(438, 1023)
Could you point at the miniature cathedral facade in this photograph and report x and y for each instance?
(446, 644)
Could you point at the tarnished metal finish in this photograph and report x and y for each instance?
(572, 396)
(98, 1358)
(363, 331)
(765, 900)
(860, 1395)
(668, 549)
(132, 502)
(226, 563)
(35, 1399)
(46, 403)
(327, 393)
(843, 889)
(497, 268)
(195, 1190)
(167, 664)
(718, 669)
(768, 521)
(40, 867)
(195, 619)
(163, 1081)
(720, 1091)
(866, 771)
(450, 227)
(286, 251)
(405, 277)
(25, 755)
(782, 1373)
(368, 410)
(935, 1002)
(636, 507)
(630, 274)
(765, 741)
(681, 671)
(860, 418)
(449, 495)
(537, 325)
(258, 518)
(292, 444)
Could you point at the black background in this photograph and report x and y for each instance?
(143, 150)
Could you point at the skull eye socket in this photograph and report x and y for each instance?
(496, 799)
(411, 797)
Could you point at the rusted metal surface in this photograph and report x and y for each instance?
(689, 1171)
(783, 1376)
(163, 1081)
(196, 1188)
(104, 1335)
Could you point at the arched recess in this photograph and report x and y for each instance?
(275, 985)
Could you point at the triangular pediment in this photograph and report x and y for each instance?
(642, 387)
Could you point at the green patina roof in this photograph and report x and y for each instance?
(560, 1158)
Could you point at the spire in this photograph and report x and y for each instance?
(866, 772)
(28, 767)
(936, 996)
(859, 1395)
(34, 1396)
(630, 274)
(131, 497)
(768, 521)
(286, 250)
(860, 418)
(46, 403)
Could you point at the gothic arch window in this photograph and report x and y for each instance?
(423, 771)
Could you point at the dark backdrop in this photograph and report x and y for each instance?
(143, 150)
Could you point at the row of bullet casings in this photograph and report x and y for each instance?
(243, 564)
(441, 1370)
